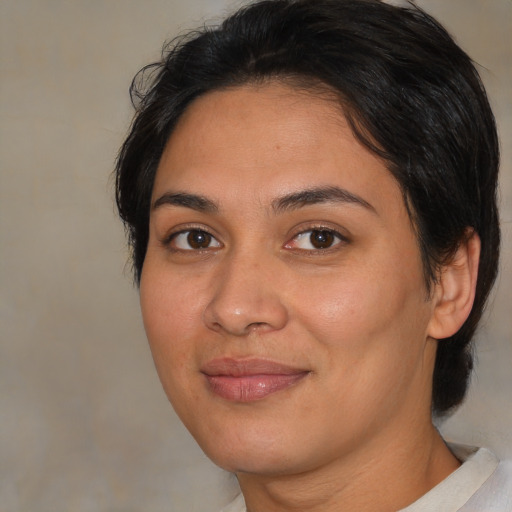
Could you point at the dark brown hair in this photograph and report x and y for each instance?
(411, 94)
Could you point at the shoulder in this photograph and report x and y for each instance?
(481, 484)
(495, 494)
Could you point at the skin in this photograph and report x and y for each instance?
(355, 433)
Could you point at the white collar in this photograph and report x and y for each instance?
(451, 494)
(456, 489)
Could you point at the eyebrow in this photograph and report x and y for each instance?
(318, 195)
(192, 201)
(292, 201)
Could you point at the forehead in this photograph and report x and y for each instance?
(263, 141)
(278, 117)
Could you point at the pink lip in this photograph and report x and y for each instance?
(247, 380)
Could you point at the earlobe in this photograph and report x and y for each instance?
(455, 290)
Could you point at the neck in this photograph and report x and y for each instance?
(390, 474)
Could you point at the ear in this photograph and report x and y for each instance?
(455, 290)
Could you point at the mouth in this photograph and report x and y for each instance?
(248, 380)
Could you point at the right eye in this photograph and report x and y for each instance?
(193, 240)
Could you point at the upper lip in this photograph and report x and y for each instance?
(234, 367)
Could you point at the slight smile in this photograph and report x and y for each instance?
(248, 380)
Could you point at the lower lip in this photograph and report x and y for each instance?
(250, 388)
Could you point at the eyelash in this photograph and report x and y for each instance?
(337, 239)
(167, 242)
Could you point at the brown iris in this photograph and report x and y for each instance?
(199, 239)
(321, 239)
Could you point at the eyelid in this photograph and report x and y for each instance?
(341, 238)
(167, 240)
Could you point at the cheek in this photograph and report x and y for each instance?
(170, 302)
(372, 342)
(367, 317)
(171, 314)
(360, 307)
(170, 311)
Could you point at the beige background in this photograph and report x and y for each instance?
(84, 425)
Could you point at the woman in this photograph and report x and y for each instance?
(310, 196)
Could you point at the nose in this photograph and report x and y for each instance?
(245, 298)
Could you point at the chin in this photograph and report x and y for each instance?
(265, 455)
(255, 462)
(251, 450)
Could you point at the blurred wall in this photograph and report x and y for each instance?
(84, 425)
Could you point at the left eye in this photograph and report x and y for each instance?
(193, 240)
(315, 239)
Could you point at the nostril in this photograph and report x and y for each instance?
(255, 325)
(241, 310)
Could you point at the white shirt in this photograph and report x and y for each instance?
(481, 484)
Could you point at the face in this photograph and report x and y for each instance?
(282, 291)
